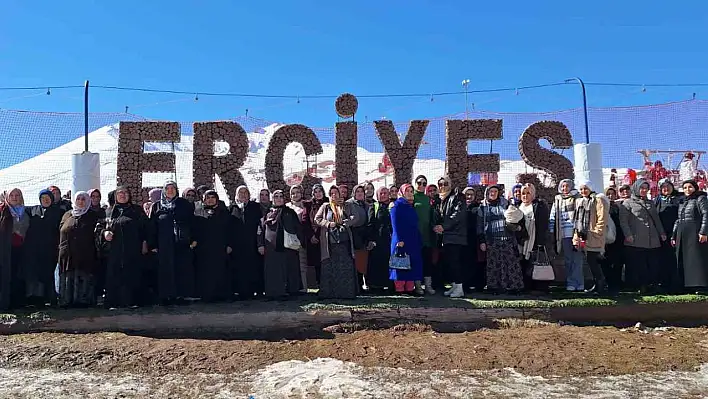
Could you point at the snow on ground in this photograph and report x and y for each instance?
(54, 167)
(330, 378)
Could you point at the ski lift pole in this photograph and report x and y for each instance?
(585, 107)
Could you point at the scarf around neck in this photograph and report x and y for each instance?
(583, 212)
(168, 203)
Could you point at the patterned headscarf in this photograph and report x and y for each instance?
(17, 211)
(165, 202)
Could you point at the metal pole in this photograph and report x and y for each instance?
(86, 116)
(585, 107)
(465, 84)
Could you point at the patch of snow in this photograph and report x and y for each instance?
(331, 378)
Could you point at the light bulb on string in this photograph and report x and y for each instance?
(49, 91)
(196, 97)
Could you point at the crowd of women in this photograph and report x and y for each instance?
(177, 248)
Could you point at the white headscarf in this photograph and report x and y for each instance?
(76, 211)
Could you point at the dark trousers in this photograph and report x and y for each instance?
(597, 274)
(668, 273)
(454, 257)
(612, 265)
(642, 267)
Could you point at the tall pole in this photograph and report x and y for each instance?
(466, 84)
(585, 107)
(86, 116)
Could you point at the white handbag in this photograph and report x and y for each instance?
(290, 241)
(542, 269)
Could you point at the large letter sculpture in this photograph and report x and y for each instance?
(133, 161)
(402, 156)
(206, 164)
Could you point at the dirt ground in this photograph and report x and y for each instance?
(542, 350)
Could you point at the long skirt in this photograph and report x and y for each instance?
(503, 267)
(281, 272)
(338, 275)
(76, 288)
(377, 273)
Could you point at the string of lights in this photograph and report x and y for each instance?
(197, 93)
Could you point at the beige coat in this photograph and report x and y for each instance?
(324, 231)
(598, 224)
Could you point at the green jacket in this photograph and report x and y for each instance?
(421, 203)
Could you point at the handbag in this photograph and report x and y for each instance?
(611, 233)
(400, 260)
(290, 241)
(542, 269)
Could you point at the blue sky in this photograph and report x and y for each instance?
(309, 47)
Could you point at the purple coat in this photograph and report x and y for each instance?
(404, 221)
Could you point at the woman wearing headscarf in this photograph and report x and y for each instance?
(643, 234)
(314, 253)
(561, 226)
(497, 238)
(172, 238)
(281, 264)
(190, 195)
(453, 228)
(63, 203)
(392, 194)
(690, 236)
(126, 234)
(370, 192)
(43, 237)
(515, 194)
(99, 275)
(536, 216)
(297, 204)
(377, 274)
(14, 226)
(264, 201)
(246, 263)
(667, 206)
(214, 231)
(475, 273)
(78, 255)
(339, 277)
(613, 261)
(155, 195)
(407, 237)
(95, 195)
(344, 191)
(592, 212)
(360, 226)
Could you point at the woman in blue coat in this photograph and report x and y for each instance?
(404, 222)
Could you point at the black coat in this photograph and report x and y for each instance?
(246, 263)
(378, 273)
(43, 237)
(692, 256)
(6, 280)
(472, 228)
(668, 210)
(542, 214)
(454, 220)
(124, 257)
(214, 232)
(172, 232)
